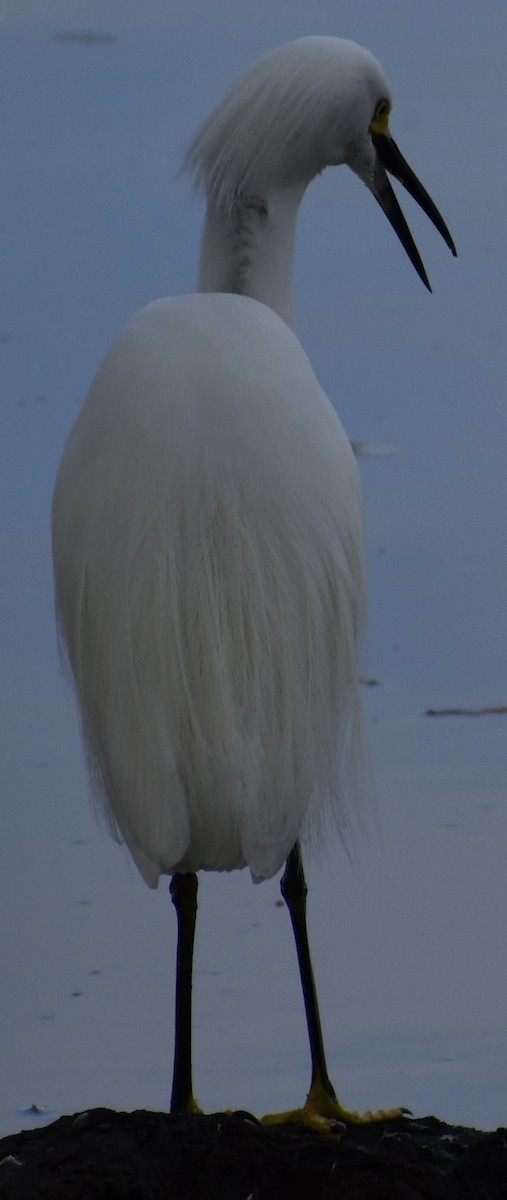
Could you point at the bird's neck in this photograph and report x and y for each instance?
(250, 250)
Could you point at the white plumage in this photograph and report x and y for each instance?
(208, 528)
(208, 537)
(212, 585)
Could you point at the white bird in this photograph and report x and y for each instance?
(208, 532)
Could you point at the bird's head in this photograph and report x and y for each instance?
(313, 103)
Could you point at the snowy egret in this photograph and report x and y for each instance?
(208, 539)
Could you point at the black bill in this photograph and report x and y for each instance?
(389, 158)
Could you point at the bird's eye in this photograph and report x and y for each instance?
(380, 122)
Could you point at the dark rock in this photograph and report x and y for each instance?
(106, 1155)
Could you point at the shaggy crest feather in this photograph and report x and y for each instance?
(292, 114)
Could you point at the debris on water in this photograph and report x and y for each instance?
(364, 449)
(86, 36)
(465, 712)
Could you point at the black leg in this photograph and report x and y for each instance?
(183, 890)
(293, 889)
(321, 1109)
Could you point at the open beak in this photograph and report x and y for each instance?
(389, 158)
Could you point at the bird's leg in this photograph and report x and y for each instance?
(294, 891)
(183, 888)
(321, 1109)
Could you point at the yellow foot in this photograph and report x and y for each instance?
(323, 1112)
(190, 1106)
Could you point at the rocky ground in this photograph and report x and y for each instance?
(153, 1156)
